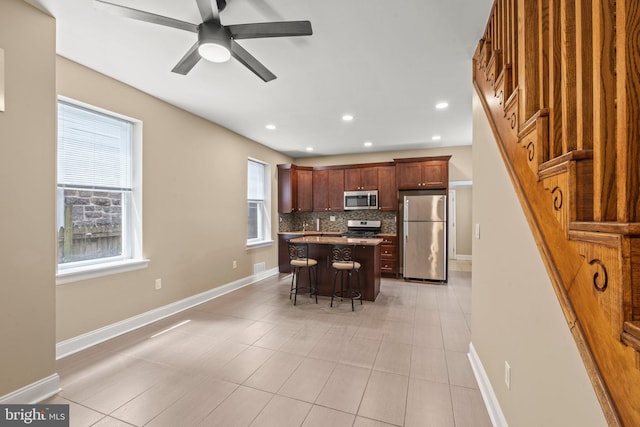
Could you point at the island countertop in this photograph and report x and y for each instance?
(335, 240)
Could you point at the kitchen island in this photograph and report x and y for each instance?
(367, 253)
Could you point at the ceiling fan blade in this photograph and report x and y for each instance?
(188, 61)
(140, 15)
(209, 10)
(270, 29)
(250, 62)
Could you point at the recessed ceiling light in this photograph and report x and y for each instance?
(347, 117)
(442, 105)
(309, 148)
(368, 144)
(271, 127)
(436, 138)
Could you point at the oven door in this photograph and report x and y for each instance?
(354, 200)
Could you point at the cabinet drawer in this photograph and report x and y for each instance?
(388, 267)
(388, 252)
(388, 241)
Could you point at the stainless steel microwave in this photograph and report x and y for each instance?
(354, 200)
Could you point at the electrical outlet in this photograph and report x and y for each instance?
(332, 218)
(158, 284)
(507, 375)
(235, 264)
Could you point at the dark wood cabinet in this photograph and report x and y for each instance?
(328, 190)
(389, 255)
(295, 188)
(387, 190)
(417, 174)
(361, 178)
(321, 189)
(305, 190)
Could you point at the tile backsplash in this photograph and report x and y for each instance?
(296, 221)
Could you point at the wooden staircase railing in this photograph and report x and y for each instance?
(560, 83)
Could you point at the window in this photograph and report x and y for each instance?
(96, 196)
(258, 202)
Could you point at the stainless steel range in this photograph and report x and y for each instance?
(362, 228)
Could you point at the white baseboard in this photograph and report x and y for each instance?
(34, 392)
(463, 257)
(75, 344)
(489, 397)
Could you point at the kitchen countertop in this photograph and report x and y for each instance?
(311, 233)
(335, 240)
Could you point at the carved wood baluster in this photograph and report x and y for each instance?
(604, 111)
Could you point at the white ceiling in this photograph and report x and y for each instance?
(386, 62)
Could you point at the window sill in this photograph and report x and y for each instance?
(261, 244)
(98, 270)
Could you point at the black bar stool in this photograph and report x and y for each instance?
(343, 262)
(299, 258)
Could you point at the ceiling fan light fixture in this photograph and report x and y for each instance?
(214, 42)
(214, 52)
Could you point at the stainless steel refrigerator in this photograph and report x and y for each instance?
(425, 237)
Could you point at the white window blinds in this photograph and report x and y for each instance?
(255, 181)
(94, 150)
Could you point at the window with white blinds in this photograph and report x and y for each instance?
(258, 194)
(94, 149)
(95, 197)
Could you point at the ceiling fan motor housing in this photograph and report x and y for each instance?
(214, 33)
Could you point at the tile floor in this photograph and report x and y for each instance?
(250, 358)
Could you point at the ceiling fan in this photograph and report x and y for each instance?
(217, 42)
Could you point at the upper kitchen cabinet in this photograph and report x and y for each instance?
(361, 178)
(387, 191)
(328, 190)
(305, 189)
(295, 188)
(422, 172)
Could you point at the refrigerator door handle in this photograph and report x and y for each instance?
(405, 219)
(406, 210)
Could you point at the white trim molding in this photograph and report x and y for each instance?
(34, 392)
(98, 270)
(488, 395)
(460, 184)
(463, 257)
(75, 344)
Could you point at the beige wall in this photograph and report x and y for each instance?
(27, 144)
(194, 207)
(516, 316)
(464, 234)
(459, 165)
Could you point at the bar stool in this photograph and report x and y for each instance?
(299, 258)
(343, 262)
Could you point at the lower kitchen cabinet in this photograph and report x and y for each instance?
(389, 255)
